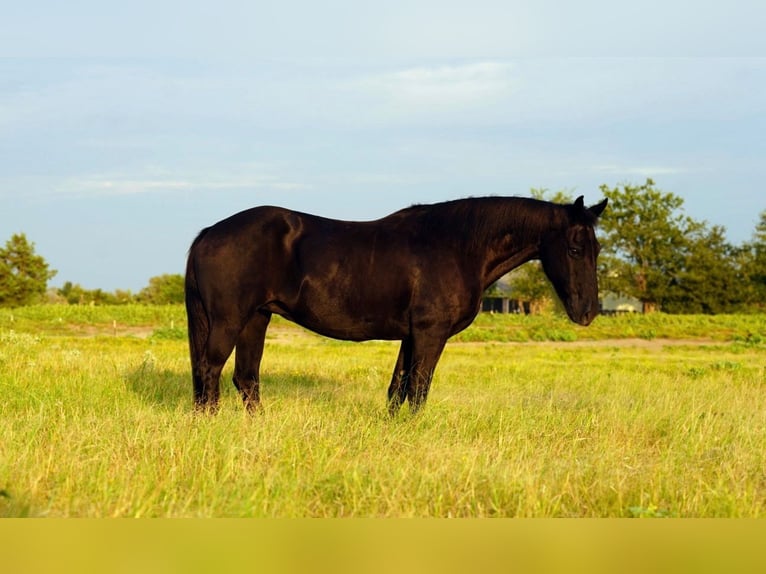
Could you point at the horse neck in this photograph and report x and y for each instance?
(506, 255)
(510, 248)
(499, 233)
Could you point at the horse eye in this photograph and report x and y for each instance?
(575, 252)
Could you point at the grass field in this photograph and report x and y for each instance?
(632, 417)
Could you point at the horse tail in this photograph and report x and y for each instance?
(197, 317)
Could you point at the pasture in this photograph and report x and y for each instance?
(528, 417)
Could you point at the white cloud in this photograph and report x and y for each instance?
(642, 171)
(116, 184)
(443, 88)
(425, 29)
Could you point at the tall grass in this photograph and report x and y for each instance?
(170, 321)
(102, 426)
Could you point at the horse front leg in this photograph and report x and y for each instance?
(426, 349)
(397, 391)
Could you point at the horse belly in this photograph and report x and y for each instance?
(355, 311)
(354, 329)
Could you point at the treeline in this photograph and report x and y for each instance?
(24, 277)
(651, 251)
(654, 252)
(162, 290)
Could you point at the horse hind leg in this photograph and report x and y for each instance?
(207, 368)
(397, 391)
(206, 386)
(248, 360)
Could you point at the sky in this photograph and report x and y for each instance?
(126, 128)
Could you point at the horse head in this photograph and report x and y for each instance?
(568, 253)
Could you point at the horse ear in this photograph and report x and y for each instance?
(598, 209)
(579, 202)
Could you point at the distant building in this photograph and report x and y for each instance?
(613, 304)
(504, 305)
(500, 299)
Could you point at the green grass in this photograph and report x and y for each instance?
(521, 328)
(169, 321)
(101, 425)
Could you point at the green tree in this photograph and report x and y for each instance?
(73, 293)
(654, 252)
(644, 242)
(24, 275)
(755, 256)
(710, 280)
(76, 294)
(163, 289)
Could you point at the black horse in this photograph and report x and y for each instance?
(416, 276)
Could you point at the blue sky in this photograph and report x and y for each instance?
(123, 131)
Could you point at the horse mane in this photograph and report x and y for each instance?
(475, 222)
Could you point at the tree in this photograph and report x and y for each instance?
(163, 289)
(752, 258)
(710, 280)
(654, 252)
(76, 294)
(23, 274)
(643, 242)
(73, 293)
(529, 284)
